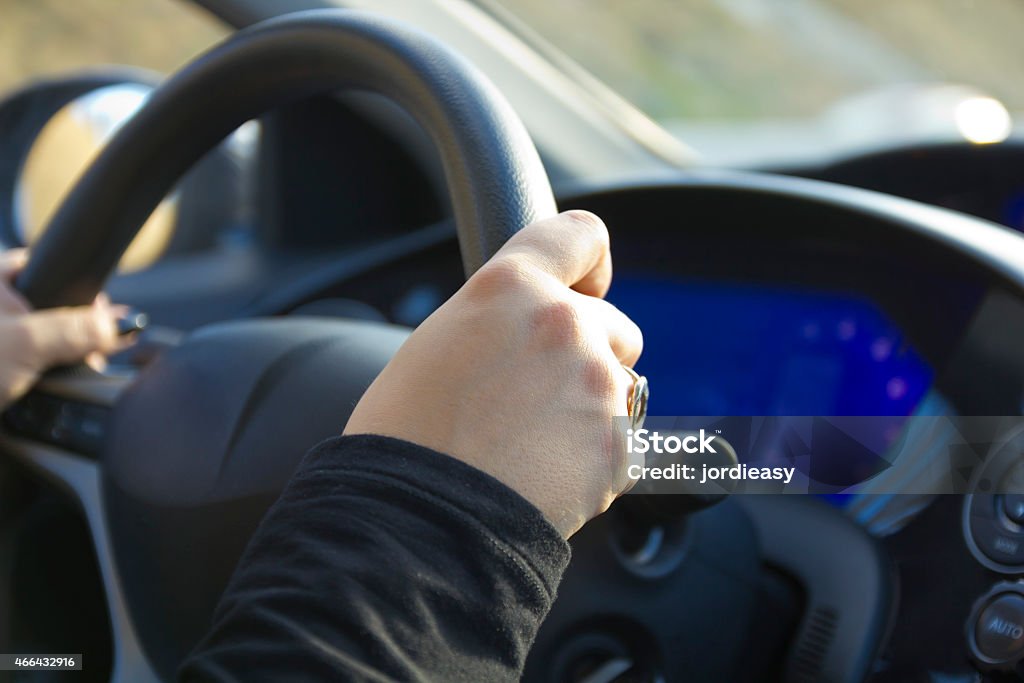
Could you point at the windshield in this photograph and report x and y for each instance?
(756, 80)
(50, 38)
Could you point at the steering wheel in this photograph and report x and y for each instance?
(203, 440)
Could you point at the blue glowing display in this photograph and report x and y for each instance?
(720, 349)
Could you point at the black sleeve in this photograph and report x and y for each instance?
(382, 561)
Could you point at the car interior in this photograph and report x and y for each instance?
(288, 206)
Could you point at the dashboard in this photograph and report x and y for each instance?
(983, 180)
(751, 304)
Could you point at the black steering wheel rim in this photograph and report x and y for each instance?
(495, 177)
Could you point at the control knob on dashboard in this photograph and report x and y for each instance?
(995, 629)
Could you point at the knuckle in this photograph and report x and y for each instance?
(598, 376)
(591, 222)
(557, 323)
(585, 217)
(501, 275)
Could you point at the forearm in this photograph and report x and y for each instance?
(386, 561)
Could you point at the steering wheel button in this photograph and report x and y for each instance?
(999, 632)
(998, 543)
(1013, 506)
